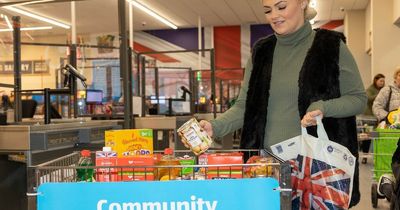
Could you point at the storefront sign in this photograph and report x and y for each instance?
(27, 67)
(229, 194)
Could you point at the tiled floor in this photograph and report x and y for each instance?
(365, 188)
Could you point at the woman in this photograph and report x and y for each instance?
(293, 76)
(372, 92)
(388, 98)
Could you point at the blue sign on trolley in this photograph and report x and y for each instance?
(229, 194)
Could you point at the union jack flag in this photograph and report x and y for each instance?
(102, 154)
(318, 185)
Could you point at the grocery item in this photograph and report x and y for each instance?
(262, 170)
(187, 160)
(85, 174)
(168, 173)
(132, 170)
(222, 172)
(194, 137)
(106, 158)
(130, 142)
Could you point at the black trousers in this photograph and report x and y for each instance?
(365, 146)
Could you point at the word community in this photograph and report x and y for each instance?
(193, 204)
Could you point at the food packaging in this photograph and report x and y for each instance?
(194, 137)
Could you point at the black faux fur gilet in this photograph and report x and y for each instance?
(318, 80)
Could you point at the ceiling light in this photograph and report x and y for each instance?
(8, 22)
(38, 17)
(313, 4)
(153, 14)
(29, 29)
(32, 2)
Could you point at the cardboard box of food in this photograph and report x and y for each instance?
(224, 174)
(137, 176)
(106, 159)
(106, 177)
(133, 162)
(130, 142)
(222, 159)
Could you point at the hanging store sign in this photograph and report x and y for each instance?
(27, 67)
(229, 194)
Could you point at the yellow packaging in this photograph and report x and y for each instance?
(130, 142)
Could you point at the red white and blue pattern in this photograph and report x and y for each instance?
(318, 185)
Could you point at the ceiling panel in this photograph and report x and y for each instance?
(223, 11)
(184, 18)
(360, 4)
(208, 16)
(102, 15)
(164, 9)
(243, 11)
(257, 9)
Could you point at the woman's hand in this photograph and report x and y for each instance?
(309, 118)
(207, 127)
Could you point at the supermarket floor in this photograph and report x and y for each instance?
(365, 188)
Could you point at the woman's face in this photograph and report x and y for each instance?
(380, 83)
(285, 16)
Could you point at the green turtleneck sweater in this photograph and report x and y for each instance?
(283, 121)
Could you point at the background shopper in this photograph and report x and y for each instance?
(293, 76)
(372, 91)
(388, 98)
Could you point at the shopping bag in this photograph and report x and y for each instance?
(322, 175)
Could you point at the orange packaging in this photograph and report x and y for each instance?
(106, 158)
(224, 174)
(135, 161)
(106, 177)
(222, 159)
(137, 176)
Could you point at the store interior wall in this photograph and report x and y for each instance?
(355, 34)
(396, 12)
(385, 39)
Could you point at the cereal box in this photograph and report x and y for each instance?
(130, 142)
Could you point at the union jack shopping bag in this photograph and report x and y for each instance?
(322, 175)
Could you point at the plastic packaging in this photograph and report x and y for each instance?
(194, 137)
(170, 173)
(85, 174)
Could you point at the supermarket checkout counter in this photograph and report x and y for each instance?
(31, 142)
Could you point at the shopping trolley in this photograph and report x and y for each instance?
(385, 143)
(63, 171)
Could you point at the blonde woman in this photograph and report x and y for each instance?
(294, 75)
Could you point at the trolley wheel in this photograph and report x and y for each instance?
(374, 195)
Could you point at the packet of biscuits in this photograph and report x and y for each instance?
(194, 137)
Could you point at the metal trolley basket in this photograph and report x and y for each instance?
(64, 169)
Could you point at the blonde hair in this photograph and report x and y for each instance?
(397, 72)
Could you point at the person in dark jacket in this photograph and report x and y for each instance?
(395, 198)
(372, 91)
(293, 76)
